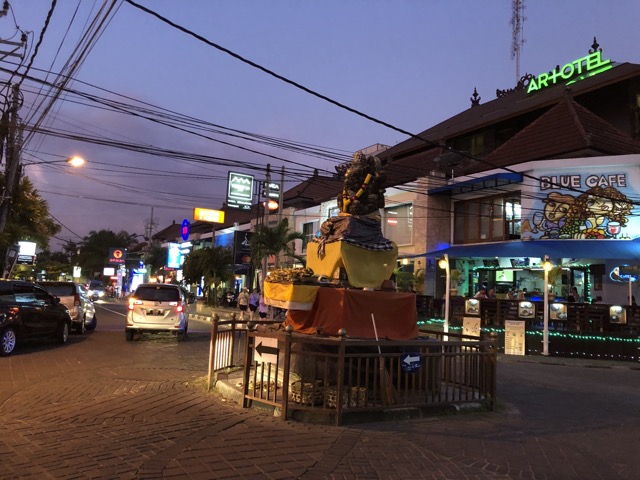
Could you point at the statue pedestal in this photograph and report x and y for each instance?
(351, 309)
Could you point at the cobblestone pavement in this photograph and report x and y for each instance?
(103, 408)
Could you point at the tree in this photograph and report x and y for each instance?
(267, 241)
(212, 266)
(94, 248)
(28, 219)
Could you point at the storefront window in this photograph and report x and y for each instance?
(487, 219)
(308, 230)
(398, 224)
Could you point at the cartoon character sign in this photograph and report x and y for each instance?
(599, 213)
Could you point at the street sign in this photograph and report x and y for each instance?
(266, 350)
(410, 362)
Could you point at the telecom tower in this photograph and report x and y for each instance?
(517, 28)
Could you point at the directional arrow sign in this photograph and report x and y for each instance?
(410, 362)
(266, 350)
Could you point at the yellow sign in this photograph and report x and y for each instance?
(208, 215)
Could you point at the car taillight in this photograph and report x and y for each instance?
(180, 307)
(76, 300)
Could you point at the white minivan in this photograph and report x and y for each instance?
(157, 307)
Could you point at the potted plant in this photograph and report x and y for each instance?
(455, 276)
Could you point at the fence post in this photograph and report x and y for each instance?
(233, 339)
(342, 334)
(287, 367)
(493, 366)
(248, 360)
(212, 346)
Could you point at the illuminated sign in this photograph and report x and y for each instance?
(239, 191)
(208, 215)
(117, 256)
(174, 256)
(185, 229)
(579, 69)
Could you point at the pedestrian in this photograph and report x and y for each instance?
(263, 308)
(576, 296)
(482, 293)
(243, 303)
(491, 293)
(254, 300)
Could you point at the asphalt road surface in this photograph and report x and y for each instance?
(103, 408)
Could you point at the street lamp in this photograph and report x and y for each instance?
(546, 266)
(75, 161)
(444, 264)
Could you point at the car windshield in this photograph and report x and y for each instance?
(61, 290)
(157, 294)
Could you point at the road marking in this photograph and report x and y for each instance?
(112, 311)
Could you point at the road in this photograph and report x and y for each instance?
(103, 408)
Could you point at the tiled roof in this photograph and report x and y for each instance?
(508, 106)
(314, 190)
(566, 130)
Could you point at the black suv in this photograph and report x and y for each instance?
(28, 311)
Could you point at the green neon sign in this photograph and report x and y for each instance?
(572, 72)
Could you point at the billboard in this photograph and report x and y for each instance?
(239, 191)
(174, 256)
(117, 256)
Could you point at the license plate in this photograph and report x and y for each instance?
(155, 312)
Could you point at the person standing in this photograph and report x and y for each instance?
(243, 303)
(254, 300)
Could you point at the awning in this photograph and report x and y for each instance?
(602, 249)
(475, 184)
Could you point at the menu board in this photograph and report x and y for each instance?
(471, 326)
(514, 336)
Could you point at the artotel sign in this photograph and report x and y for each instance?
(579, 69)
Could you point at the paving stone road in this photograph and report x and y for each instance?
(103, 408)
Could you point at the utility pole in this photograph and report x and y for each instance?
(9, 135)
(12, 156)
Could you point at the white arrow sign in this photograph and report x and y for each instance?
(409, 359)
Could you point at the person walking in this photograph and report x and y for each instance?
(243, 303)
(263, 308)
(254, 300)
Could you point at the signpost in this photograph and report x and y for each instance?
(266, 350)
(410, 362)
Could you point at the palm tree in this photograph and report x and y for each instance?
(94, 248)
(212, 266)
(28, 219)
(267, 241)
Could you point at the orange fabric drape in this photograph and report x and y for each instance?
(351, 309)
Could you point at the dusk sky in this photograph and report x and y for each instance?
(409, 63)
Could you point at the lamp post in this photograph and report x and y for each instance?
(547, 266)
(13, 174)
(444, 264)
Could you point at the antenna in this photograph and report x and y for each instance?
(517, 29)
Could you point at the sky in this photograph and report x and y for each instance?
(408, 63)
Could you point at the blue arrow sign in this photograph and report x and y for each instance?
(410, 362)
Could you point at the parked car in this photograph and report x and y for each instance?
(75, 298)
(28, 311)
(157, 307)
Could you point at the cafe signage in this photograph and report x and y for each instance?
(572, 72)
